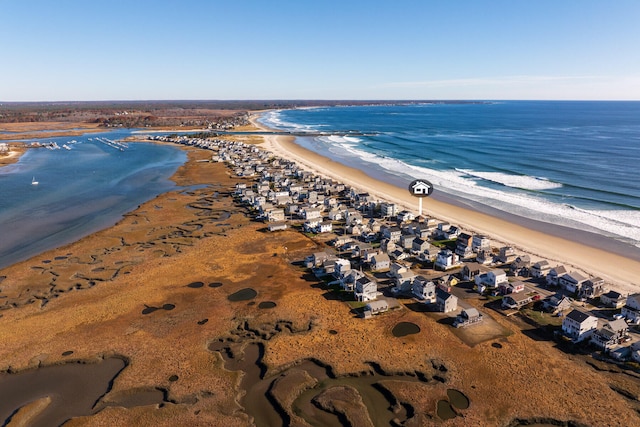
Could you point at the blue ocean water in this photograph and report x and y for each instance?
(568, 163)
(79, 191)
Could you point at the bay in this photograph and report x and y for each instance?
(80, 191)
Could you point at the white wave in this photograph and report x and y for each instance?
(524, 182)
(621, 223)
(344, 140)
(273, 119)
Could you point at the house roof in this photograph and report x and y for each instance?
(471, 312)
(578, 316)
(617, 325)
(442, 294)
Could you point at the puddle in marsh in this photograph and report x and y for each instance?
(74, 389)
(266, 396)
(243, 295)
(403, 329)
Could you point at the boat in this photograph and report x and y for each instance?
(33, 181)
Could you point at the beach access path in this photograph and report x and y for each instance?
(622, 272)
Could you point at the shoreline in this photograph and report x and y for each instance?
(620, 271)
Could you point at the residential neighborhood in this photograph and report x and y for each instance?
(380, 257)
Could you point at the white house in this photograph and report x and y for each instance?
(446, 260)
(492, 278)
(540, 269)
(480, 242)
(365, 290)
(554, 274)
(380, 261)
(424, 289)
(579, 325)
(631, 310)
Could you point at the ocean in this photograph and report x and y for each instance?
(573, 164)
(81, 190)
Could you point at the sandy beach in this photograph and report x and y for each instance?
(621, 271)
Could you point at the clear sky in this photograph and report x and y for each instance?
(67, 50)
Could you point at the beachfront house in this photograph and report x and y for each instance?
(572, 282)
(613, 299)
(631, 309)
(540, 269)
(592, 288)
(480, 242)
(520, 266)
(506, 255)
(463, 245)
(484, 256)
(554, 274)
(578, 325)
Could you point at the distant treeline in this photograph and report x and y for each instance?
(157, 113)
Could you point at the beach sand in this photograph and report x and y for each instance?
(622, 272)
(13, 155)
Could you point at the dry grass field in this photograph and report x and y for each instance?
(153, 290)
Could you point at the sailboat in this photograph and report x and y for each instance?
(33, 181)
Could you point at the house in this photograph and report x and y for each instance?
(520, 266)
(463, 245)
(405, 216)
(572, 282)
(388, 209)
(518, 300)
(611, 334)
(406, 241)
(380, 261)
(631, 310)
(277, 226)
(470, 270)
(375, 307)
(556, 304)
(506, 288)
(316, 259)
(446, 231)
(324, 227)
(391, 233)
(484, 256)
(424, 289)
(492, 278)
(592, 288)
(480, 243)
(554, 274)
(578, 325)
(348, 277)
(445, 259)
(469, 316)
(540, 269)
(365, 289)
(445, 301)
(506, 255)
(276, 215)
(613, 299)
(403, 282)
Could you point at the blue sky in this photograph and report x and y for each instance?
(298, 49)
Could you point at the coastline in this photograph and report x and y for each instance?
(154, 290)
(621, 271)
